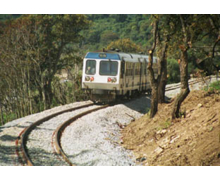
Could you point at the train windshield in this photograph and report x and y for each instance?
(90, 67)
(109, 68)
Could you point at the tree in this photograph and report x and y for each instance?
(34, 48)
(186, 31)
(160, 43)
(186, 25)
(119, 17)
(215, 25)
(125, 45)
(108, 36)
(163, 38)
(173, 71)
(153, 81)
(56, 32)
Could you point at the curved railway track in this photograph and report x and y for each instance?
(60, 129)
(22, 150)
(21, 142)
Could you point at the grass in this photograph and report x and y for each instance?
(215, 86)
(165, 124)
(8, 118)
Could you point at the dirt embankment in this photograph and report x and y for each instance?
(192, 140)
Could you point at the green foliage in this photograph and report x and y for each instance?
(7, 117)
(108, 36)
(125, 26)
(4, 17)
(125, 45)
(173, 71)
(34, 48)
(215, 86)
(167, 123)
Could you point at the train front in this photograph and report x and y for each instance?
(101, 75)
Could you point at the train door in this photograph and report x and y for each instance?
(133, 74)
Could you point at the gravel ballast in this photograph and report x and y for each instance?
(100, 134)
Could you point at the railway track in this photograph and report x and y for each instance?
(60, 129)
(24, 153)
(191, 82)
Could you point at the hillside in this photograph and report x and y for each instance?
(193, 140)
(5, 17)
(106, 28)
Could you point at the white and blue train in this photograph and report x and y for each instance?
(111, 75)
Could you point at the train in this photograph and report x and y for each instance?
(111, 75)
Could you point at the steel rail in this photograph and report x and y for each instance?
(190, 83)
(60, 129)
(24, 135)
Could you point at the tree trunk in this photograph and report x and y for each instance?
(162, 66)
(184, 85)
(154, 87)
(154, 100)
(162, 87)
(153, 81)
(183, 64)
(49, 94)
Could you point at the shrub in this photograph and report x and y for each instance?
(173, 71)
(215, 86)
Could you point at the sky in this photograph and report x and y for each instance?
(109, 7)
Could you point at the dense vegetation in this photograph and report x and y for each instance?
(34, 49)
(107, 28)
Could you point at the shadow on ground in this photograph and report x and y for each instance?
(6, 155)
(142, 104)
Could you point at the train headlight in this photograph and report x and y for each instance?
(113, 80)
(87, 78)
(92, 79)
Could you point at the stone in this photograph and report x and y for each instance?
(158, 150)
(174, 139)
(199, 105)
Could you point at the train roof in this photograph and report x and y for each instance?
(129, 57)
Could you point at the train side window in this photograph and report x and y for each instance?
(90, 67)
(137, 69)
(133, 69)
(122, 68)
(128, 70)
(145, 67)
